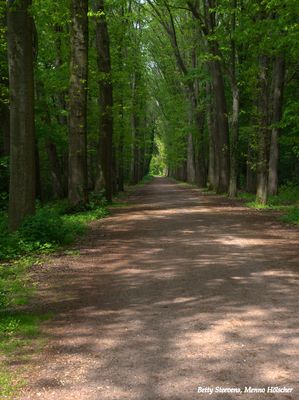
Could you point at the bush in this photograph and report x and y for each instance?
(95, 201)
(288, 194)
(46, 227)
(50, 227)
(292, 216)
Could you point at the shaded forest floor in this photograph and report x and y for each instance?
(175, 290)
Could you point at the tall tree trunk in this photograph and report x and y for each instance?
(136, 158)
(199, 118)
(4, 107)
(190, 159)
(279, 75)
(105, 100)
(51, 150)
(212, 127)
(234, 138)
(222, 140)
(77, 182)
(55, 169)
(250, 171)
(234, 148)
(222, 123)
(263, 150)
(22, 134)
(59, 99)
(4, 130)
(120, 172)
(38, 181)
(200, 153)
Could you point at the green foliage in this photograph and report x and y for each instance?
(146, 179)
(16, 327)
(50, 227)
(288, 195)
(13, 285)
(158, 165)
(292, 216)
(287, 201)
(46, 227)
(16, 332)
(8, 385)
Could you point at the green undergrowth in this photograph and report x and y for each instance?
(53, 226)
(287, 201)
(17, 331)
(185, 184)
(120, 199)
(146, 179)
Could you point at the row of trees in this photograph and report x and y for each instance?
(79, 120)
(234, 66)
(95, 88)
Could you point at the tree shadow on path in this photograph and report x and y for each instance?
(175, 291)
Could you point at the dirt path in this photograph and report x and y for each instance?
(177, 290)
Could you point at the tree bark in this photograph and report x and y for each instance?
(77, 180)
(212, 128)
(234, 138)
(22, 132)
(4, 128)
(57, 182)
(222, 140)
(263, 150)
(105, 100)
(222, 124)
(4, 108)
(199, 121)
(279, 75)
(234, 147)
(190, 159)
(250, 171)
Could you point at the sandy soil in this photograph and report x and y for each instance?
(174, 291)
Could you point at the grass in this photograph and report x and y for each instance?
(16, 333)
(287, 201)
(9, 385)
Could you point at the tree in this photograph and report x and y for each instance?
(278, 87)
(4, 106)
(22, 128)
(105, 146)
(77, 182)
(208, 24)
